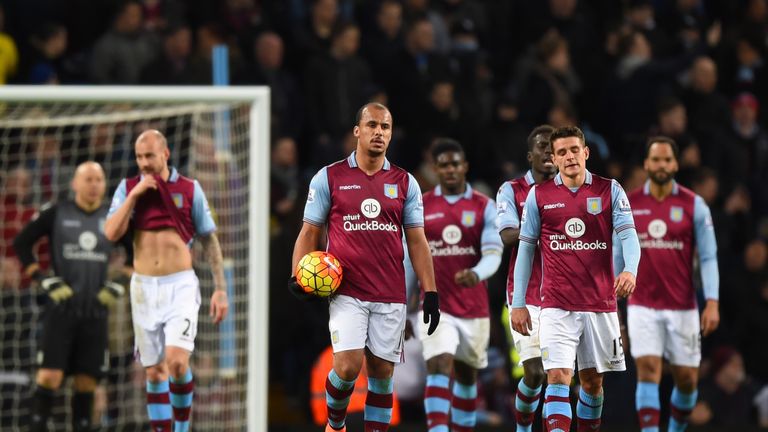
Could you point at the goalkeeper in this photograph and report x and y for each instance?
(74, 339)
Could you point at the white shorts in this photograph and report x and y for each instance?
(164, 311)
(594, 338)
(672, 334)
(356, 324)
(464, 338)
(528, 347)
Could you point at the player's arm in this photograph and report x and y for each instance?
(507, 218)
(624, 227)
(205, 228)
(121, 209)
(706, 244)
(315, 216)
(418, 250)
(530, 231)
(40, 226)
(491, 247)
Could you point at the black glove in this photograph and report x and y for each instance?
(431, 307)
(55, 287)
(109, 294)
(298, 291)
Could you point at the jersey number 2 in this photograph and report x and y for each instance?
(186, 330)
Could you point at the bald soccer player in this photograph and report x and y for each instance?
(74, 337)
(167, 211)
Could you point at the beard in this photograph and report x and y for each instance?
(661, 177)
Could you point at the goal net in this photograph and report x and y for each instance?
(218, 136)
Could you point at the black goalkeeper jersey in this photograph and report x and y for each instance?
(79, 250)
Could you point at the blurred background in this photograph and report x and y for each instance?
(484, 72)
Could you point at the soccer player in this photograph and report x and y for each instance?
(166, 211)
(367, 203)
(509, 201)
(460, 224)
(74, 337)
(574, 215)
(662, 316)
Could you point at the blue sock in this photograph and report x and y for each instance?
(558, 406)
(337, 395)
(463, 406)
(526, 403)
(589, 410)
(681, 405)
(378, 403)
(647, 405)
(159, 406)
(437, 402)
(182, 391)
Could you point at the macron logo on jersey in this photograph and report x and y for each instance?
(350, 187)
(553, 206)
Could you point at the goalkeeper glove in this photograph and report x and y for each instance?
(431, 308)
(57, 289)
(109, 293)
(298, 291)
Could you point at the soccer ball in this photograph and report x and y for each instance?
(319, 273)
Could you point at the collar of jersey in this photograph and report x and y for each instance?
(173, 178)
(647, 187)
(529, 178)
(467, 193)
(353, 162)
(587, 178)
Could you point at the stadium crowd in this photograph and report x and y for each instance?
(484, 73)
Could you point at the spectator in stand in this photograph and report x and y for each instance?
(9, 54)
(383, 43)
(727, 394)
(708, 109)
(337, 83)
(313, 37)
(120, 54)
(42, 62)
(171, 67)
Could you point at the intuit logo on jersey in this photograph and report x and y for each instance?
(370, 225)
(553, 206)
(649, 241)
(439, 248)
(558, 242)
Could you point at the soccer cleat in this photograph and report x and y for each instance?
(328, 428)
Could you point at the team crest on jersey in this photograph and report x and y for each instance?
(676, 214)
(594, 205)
(390, 190)
(178, 199)
(468, 218)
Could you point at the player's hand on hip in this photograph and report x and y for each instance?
(219, 306)
(466, 278)
(147, 182)
(109, 293)
(431, 308)
(624, 284)
(57, 289)
(710, 318)
(299, 292)
(521, 320)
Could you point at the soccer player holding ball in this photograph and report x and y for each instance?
(367, 205)
(460, 224)
(572, 217)
(509, 201)
(662, 316)
(75, 322)
(167, 211)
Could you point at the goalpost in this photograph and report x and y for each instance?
(218, 135)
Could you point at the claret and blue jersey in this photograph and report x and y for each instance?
(366, 215)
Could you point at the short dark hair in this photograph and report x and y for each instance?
(567, 132)
(445, 145)
(359, 114)
(668, 104)
(661, 140)
(544, 129)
